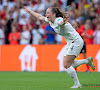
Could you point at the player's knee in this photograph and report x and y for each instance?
(66, 65)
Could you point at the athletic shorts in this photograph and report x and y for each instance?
(74, 48)
(83, 49)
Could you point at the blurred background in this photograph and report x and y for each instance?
(17, 27)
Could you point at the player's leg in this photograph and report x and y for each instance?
(84, 55)
(71, 52)
(83, 51)
(68, 60)
(88, 61)
(77, 63)
(83, 61)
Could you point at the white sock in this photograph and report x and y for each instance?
(77, 63)
(72, 73)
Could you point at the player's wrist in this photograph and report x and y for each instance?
(63, 22)
(29, 11)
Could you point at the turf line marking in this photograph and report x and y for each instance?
(92, 86)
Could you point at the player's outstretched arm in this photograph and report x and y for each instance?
(37, 15)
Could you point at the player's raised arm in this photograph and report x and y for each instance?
(64, 20)
(37, 15)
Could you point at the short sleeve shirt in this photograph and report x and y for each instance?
(66, 30)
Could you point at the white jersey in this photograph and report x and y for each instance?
(66, 30)
(25, 34)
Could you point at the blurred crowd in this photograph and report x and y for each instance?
(17, 27)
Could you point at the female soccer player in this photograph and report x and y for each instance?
(60, 24)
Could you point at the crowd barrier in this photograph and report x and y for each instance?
(41, 58)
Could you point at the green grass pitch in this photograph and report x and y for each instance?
(47, 80)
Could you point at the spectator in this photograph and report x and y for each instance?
(1, 4)
(74, 9)
(39, 7)
(25, 36)
(33, 2)
(96, 35)
(64, 3)
(37, 35)
(98, 8)
(30, 23)
(50, 33)
(3, 12)
(11, 4)
(55, 3)
(14, 36)
(23, 20)
(81, 25)
(8, 25)
(47, 4)
(88, 34)
(69, 2)
(87, 11)
(15, 12)
(77, 28)
(2, 37)
(95, 22)
(92, 15)
(80, 16)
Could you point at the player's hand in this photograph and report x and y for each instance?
(65, 19)
(26, 10)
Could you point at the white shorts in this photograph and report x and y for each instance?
(74, 48)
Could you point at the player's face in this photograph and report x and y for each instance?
(49, 14)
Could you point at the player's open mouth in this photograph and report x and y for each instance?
(47, 17)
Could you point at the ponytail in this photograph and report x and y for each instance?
(59, 12)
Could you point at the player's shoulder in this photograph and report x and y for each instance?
(59, 19)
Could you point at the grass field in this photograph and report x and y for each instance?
(46, 80)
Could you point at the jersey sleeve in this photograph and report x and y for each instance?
(59, 20)
(46, 19)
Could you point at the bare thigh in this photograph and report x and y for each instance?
(68, 60)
